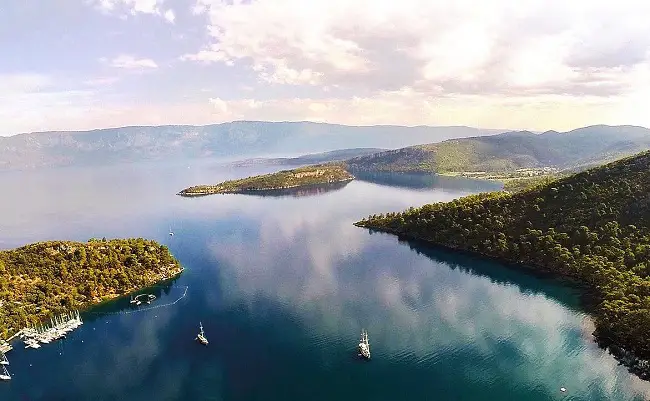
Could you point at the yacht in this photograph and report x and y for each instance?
(4, 375)
(364, 345)
(201, 336)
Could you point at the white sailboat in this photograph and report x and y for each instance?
(364, 345)
(5, 374)
(201, 337)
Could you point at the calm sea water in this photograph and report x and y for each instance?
(283, 286)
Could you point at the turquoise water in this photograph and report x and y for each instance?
(283, 286)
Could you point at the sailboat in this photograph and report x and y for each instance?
(364, 345)
(201, 336)
(5, 374)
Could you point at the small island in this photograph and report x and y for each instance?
(296, 178)
(591, 228)
(43, 279)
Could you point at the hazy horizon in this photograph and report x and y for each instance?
(535, 65)
(497, 130)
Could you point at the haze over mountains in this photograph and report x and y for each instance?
(445, 149)
(236, 139)
(509, 151)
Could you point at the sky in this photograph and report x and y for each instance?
(506, 64)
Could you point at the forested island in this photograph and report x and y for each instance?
(296, 178)
(592, 228)
(46, 278)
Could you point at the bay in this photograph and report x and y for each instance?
(283, 286)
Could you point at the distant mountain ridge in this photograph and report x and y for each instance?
(576, 149)
(312, 158)
(235, 139)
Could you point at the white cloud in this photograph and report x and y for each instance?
(170, 16)
(31, 102)
(529, 47)
(12, 84)
(134, 7)
(410, 107)
(101, 81)
(130, 62)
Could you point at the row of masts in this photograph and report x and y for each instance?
(4, 362)
(58, 328)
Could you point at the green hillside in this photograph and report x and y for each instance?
(45, 278)
(592, 227)
(296, 178)
(510, 151)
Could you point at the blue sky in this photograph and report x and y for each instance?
(535, 64)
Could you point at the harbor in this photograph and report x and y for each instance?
(58, 328)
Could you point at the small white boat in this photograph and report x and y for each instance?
(3, 359)
(5, 374)
(201, 337)
(364, 345)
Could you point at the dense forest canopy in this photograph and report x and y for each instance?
(592, 227)
(40, 279)
(299, 177)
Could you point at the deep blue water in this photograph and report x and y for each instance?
(283, 286)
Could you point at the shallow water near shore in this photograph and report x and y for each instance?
(283, 286)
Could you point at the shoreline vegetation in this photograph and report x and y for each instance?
(46, 278)
(513, 181)
(591, 229)
(285, 179)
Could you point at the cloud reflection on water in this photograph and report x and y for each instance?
(342, 278)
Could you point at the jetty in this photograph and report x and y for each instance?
(59, 326)
(142, 299)
(5, 347)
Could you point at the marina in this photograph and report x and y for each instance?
(59, 326)
(5, 373)
(5, 347)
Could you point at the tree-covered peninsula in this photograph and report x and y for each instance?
(592, 228)
(296, 178)
(46, 278)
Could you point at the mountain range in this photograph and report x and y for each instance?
(576, 149)
(235, 139)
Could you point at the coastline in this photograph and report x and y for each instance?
(261, 189)
(106, 299)
(588, 297)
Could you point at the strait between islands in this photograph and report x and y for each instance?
(43, 279)
(296, 178)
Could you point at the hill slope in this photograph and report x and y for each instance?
(314, 158)
(241, 138)
(46, 278)
(513, 150)
(296, 178)
(592, 227)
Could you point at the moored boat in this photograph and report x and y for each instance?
(364, 345)
(201, 337)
